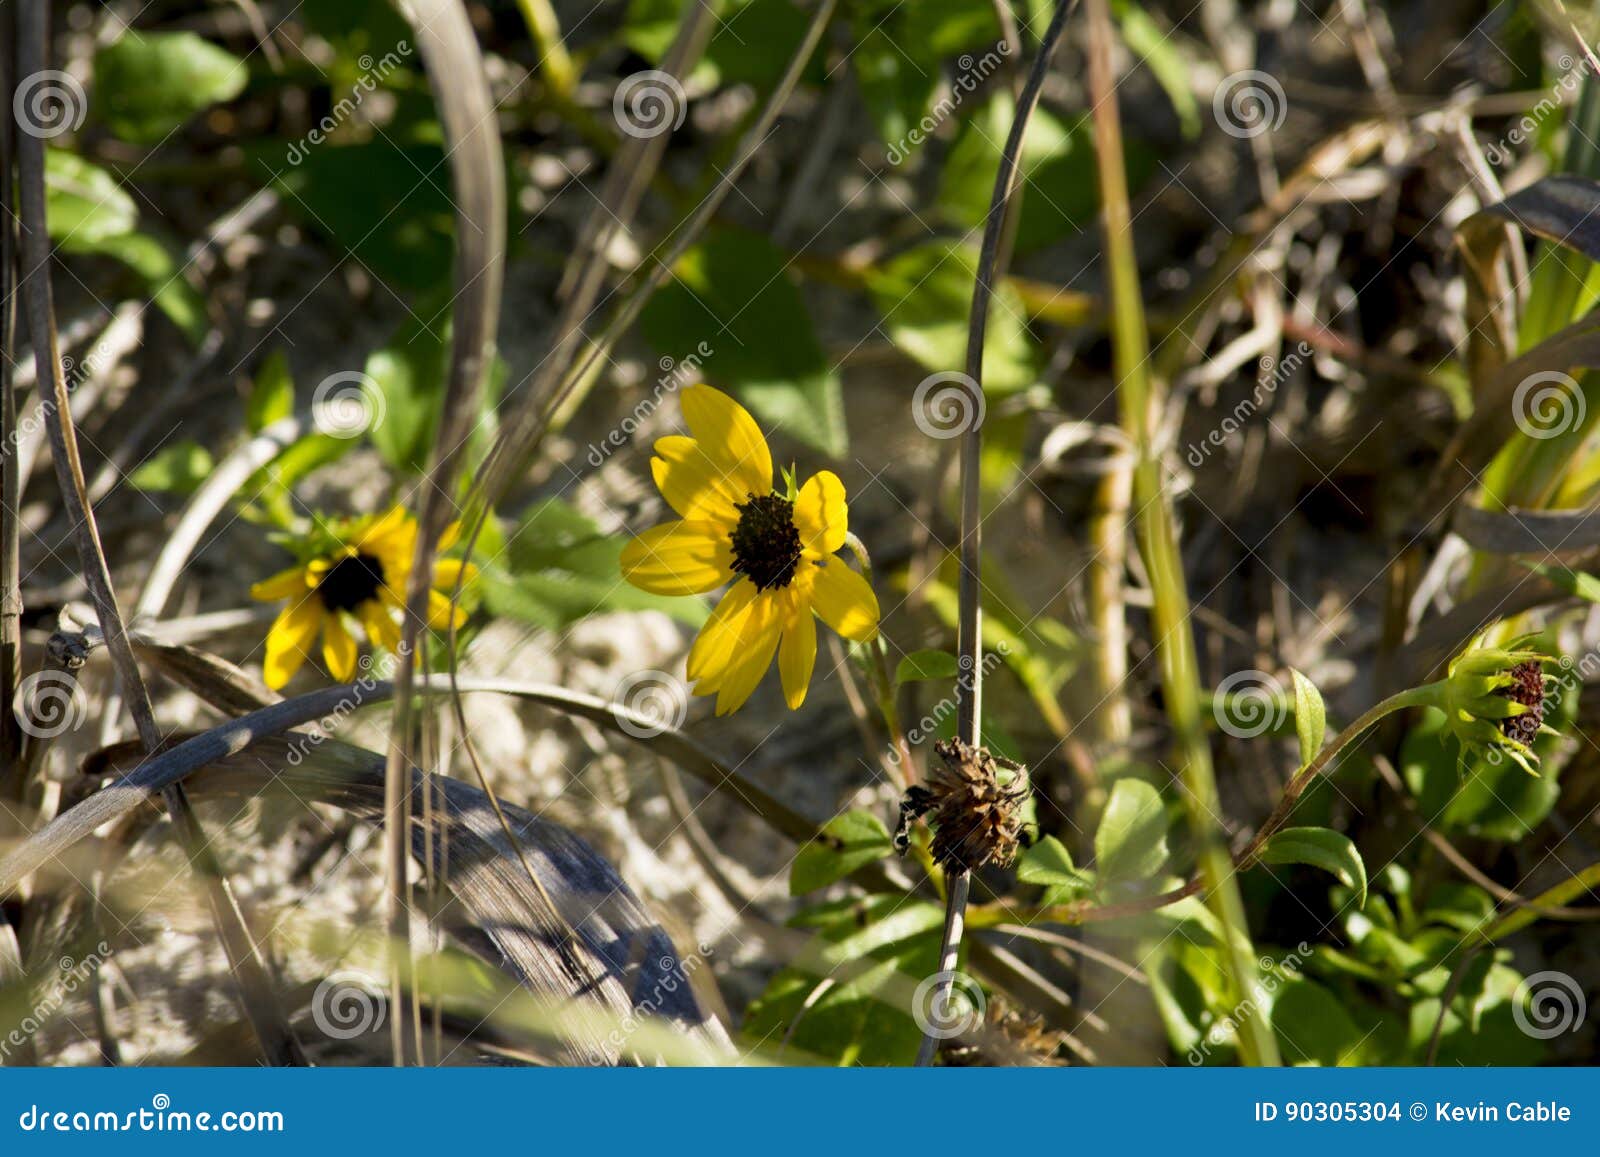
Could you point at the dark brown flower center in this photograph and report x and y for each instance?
(1527, 689)
(766, 543)
(353, 580)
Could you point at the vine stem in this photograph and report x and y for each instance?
(969, 638)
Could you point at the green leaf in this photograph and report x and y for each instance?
(845, 843)
(146, 84)
(1159, 48)
(925, 298)
(410, 374)
(900, 52)
(1048, 863)
(559, 567)
(846, 998)
(920, 666)
(1131, 842)
(84, 203)
(734, 294)
(1321, 848)
(271, 394)
(178, 469)
(1310, 717)
(163, 276)
(1312, 1025)
(1574, 582)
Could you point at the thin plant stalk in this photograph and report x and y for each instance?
(969, 637)
(1180, 668)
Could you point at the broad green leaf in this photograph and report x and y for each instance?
(1310, 717)
(923, 665)
(847, 996)
(734, 293)
(1048, 863)
(163, 276)
(558, 567)
(1321, 848)
(1131, 842)
(1160, 50)
(146, 84)
(845, 843)
(1313, 1027)
(84, 203)
(902, 52)
(271, 394)
(179, 468)
(925, 298)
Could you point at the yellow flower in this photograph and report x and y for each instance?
(780, 548)
(354, 573)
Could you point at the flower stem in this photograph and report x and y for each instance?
(882, 685)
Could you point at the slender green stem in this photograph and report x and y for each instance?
(877, 666)
(554, 62)
(1180, 669)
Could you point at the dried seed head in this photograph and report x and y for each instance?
(1527, 689)
(973, 802)
(1008, 1037)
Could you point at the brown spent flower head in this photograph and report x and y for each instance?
(974, 804)
(1526, 688)
(1008, 1038)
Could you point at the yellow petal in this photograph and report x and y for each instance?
(380, 626)
(338, 649)
(845, 600)
(289, 640)
(797, 654)
(730, 437)
(679, 558)
(439, 612)
(286, 584)
(386, 529)
(451, 534)
(720, 639)
(694, 485)
(820, 513)
(447, 570)
(759, 639)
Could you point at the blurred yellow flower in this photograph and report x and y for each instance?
(354, 573)
(779, 550)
